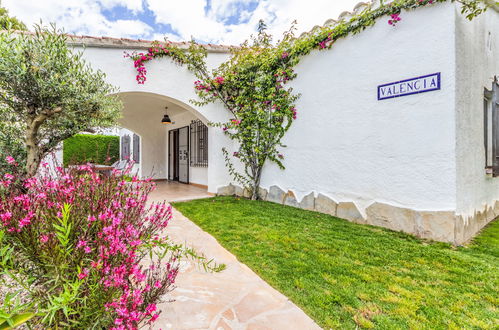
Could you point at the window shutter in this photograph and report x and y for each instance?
(491, 128)
(495, 125)
(136, 148)
(125, 147)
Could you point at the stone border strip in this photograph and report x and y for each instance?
(443, 226)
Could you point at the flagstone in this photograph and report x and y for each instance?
(235, 298)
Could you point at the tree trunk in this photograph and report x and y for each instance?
(34, 155)
(33, 160)
(256, 184)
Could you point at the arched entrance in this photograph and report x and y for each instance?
(167, 151)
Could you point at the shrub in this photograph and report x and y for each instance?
(86, 249)
(86, 148)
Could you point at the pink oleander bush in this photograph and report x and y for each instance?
(86, 248)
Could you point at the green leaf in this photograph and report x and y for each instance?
(22, 318)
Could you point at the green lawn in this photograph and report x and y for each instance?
(346, 275)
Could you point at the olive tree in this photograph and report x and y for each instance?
(49, 93)
(8, 22)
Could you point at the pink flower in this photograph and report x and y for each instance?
(83, 274)
(151, 308)
(8, 176)
(219, 80)
(44, 238)
(154, 318)
(6, 216)
(87, 249)
(395, 19)
(26, 220)
(81, 243)
(157, 284)
(10, 160)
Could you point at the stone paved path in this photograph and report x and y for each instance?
(235, 298)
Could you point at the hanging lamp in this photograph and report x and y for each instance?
(166, 119)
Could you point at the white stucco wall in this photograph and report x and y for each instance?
(350, 146)
(477, 47)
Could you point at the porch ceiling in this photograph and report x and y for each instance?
(140, 104)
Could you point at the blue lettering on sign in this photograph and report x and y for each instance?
(411, 86)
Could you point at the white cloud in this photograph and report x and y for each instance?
(75, 16)
(188, 18)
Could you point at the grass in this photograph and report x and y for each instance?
(347, 276)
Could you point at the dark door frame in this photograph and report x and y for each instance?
(173, 173)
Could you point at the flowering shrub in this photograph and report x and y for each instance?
(87, 248)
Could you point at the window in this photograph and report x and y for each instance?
(136, 148)
(491, 128)
(199, 144)
(125, 147)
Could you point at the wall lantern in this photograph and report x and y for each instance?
(166, 119)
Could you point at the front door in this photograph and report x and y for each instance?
(178, 154)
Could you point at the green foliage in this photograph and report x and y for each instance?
(11, 140)
(96, 149)
(13, 312)
(63, 230)
(50, 91)
(8, 22)
(473, 8)
(350, 276)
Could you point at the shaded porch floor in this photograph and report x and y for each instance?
(172, 191)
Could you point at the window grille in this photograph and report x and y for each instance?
(125, 147)
(491, 128)
(199, 144)
(136, 148)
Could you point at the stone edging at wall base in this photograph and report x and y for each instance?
(443, 226)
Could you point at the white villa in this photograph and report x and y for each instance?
(397, 126)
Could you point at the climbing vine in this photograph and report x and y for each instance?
(252, 84)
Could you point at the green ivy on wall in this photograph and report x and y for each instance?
(86, 148)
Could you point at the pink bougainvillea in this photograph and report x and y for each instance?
(140, 59)
(395, 18)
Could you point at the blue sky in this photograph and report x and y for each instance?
(215, 21)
